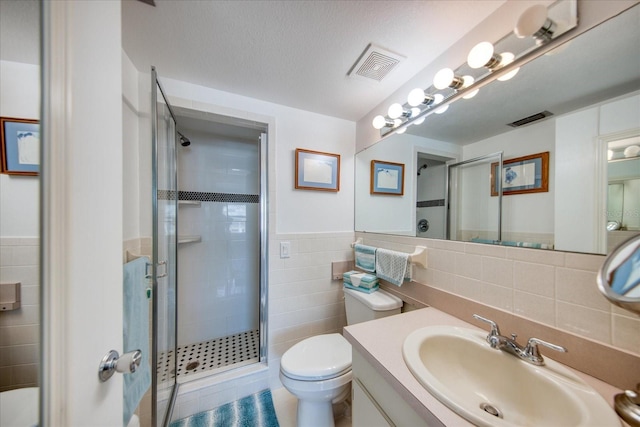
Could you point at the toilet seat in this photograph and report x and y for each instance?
(317, 358)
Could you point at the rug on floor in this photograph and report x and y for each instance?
(256, 410)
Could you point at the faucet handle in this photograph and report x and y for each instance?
(533, 354)
(495, 330)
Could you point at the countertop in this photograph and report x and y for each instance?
(380, 343)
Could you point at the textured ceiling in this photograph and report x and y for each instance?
(294, 53)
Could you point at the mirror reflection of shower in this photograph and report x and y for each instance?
(430, 196)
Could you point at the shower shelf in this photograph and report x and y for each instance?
(194, 203)
(189, 239)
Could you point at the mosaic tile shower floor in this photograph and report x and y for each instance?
(215, 354)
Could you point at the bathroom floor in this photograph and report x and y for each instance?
(286, 404)
(214, 354)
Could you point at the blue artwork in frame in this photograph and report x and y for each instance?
(20, 146)
(317, 171)
(387, 178)
(527, 174)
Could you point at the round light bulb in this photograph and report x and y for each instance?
(416, 97)
(396, 123)
(468, 81)
(480, 55)
(509, 75)
(508, 58)
(609, 154)
(395, 111)
(442, 109)
(443, 78)
(471, 94)
(379, 122)
(631, 151)
(401, 131)
(414, 112)
(438, 98)
(531, 21)
(419, 121)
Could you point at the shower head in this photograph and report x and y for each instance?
(184, 141)
(422, 167)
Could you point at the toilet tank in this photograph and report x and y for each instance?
(362, 307)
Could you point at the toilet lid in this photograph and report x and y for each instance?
(317, 358)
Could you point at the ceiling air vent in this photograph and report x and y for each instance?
(530, 119)
(375, 63)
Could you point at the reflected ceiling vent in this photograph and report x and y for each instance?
(530, 119)
(375, 63)
(149, 2)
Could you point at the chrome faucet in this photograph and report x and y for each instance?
(529, 353)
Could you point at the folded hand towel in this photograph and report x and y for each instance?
(364, 280)
(365, 257)
(393, 266)
(360, 289)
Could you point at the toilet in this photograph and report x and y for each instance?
(317, 370)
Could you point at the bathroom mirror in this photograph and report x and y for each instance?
(19, 221)
(619, 277)
(575, 76)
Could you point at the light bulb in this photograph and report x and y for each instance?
(467, 81)
(401, 131)
(535, 23)
(419, 121)
(442, 109)
(481, 55)
(416, 96)
(609, 154)
(631, 151)
(379, 122)
(508, 58)
(396, 123)
(414, 112)
(395, 111)
(443, 78)
(438, 98)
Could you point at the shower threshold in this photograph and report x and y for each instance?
(209, 357)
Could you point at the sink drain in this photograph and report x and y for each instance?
(491, 410)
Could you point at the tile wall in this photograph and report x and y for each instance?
(20, 329)
(557, 289)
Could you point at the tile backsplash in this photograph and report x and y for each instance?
(20, 329)
(557, 289)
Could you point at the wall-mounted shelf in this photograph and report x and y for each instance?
(194, 203)
(189, 239)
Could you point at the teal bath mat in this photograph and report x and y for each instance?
(256, 410)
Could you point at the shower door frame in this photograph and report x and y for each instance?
(155, 262)
(449, 191)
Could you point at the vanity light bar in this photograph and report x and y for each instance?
(448, 86)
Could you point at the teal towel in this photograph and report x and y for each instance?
(347, 276)
(361, 289)
(135, 333)
(365, 257)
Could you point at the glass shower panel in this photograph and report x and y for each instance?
(474, 203)
(164, 253)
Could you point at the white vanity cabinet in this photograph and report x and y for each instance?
(376, 403)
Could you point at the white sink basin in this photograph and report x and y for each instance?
(459, 368)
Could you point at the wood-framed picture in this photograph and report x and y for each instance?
(526, 174)
(19, 146)
(387, 178)
(316, 170)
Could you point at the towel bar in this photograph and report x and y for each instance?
(357, 242)
(419, 256)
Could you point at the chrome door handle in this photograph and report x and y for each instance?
(112, 362)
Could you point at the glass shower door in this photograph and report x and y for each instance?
(474, 202)
(164, 253)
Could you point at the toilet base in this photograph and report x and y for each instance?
(315, 413)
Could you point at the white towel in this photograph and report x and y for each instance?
(393, 266)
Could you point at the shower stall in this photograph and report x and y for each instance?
(210, 247)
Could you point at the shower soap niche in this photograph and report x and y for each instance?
(189, 239)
